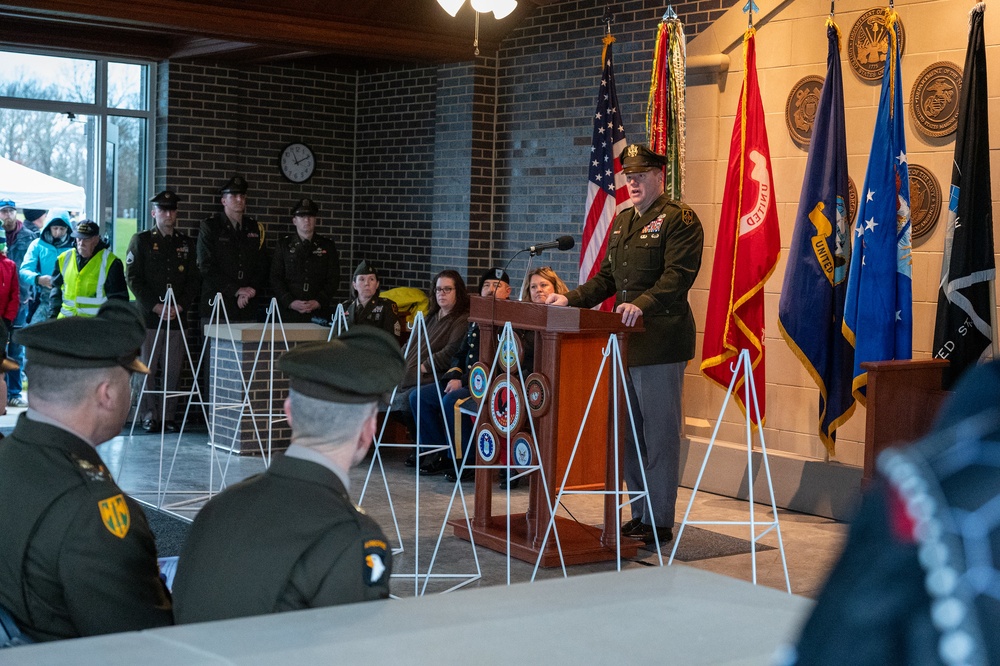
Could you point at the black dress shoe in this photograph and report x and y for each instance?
(468, 474)
(436, 464)
(644, 533)
(631, 526)
(411, 460)
(149, 425)
(170, 426)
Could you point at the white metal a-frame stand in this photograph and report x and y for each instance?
(338, 325)
(623, 498)
(214, 405)
(505, 345)
(742, 366)
(417, 345)
(165, 328)
(272, 331)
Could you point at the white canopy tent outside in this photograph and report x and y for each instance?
(32, 189)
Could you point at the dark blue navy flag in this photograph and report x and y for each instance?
(878, 311)
(965, 331)
(811, 309)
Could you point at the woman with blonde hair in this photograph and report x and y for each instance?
(541, 282)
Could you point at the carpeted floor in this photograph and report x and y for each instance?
(169, 531)
(699, 544)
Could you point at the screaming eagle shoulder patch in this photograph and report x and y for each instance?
(115, 515)
(376, 554)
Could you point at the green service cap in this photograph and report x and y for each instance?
(364, 268)
(362, 365)
(235, 185)
(637, 157)
(110, 338)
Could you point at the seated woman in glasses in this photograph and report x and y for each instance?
(446, 321)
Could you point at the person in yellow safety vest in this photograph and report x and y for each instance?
(87, 276)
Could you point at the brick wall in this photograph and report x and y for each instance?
(547, 88)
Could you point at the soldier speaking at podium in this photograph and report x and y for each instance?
(653, 257)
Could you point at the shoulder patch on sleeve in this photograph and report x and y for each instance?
(129, 258)
(376, 555)
(115, 515)
(687, 215)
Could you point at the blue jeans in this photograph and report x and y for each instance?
(15, 352)
(434, 431)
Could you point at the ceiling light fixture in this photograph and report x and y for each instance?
(500, 8)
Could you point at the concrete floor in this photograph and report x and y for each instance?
(187, 471)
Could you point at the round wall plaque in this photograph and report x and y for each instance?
(478, 377)
(852, 200)
(539, 393)
(510, 351)
(506, 405)
(524, 448)
(868, 44)
(800, 109)
(934, 99)
(925, 201)
(486, 443)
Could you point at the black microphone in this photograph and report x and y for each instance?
(562, 243)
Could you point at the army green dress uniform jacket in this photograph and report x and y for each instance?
(155, 262)
(287, 539)
(379, 312)
(305, 270)
(229, 260)
(77, 557)
(652, 260)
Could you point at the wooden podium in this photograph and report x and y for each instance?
(903, 401)
(568, 351)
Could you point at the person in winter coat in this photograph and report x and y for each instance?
(39, 263)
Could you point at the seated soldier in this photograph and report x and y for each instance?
(370, 308)
(290, 538)
(77, 557)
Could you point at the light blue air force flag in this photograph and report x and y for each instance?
(878, 313)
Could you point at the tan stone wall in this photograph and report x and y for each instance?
(791, 44)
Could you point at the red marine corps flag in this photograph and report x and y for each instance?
(747, 246)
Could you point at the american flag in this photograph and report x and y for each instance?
(606, 191)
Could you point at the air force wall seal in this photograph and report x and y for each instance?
(486, 443)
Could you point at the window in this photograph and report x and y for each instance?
(86, 121)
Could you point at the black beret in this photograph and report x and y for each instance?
(305, 207)
(494, 274)
(362, 365)
(637, 157)
(167, 200)
(235, 185)
(86, 229)
(364, 268)
(110, 338)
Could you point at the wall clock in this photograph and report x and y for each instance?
(297, 162)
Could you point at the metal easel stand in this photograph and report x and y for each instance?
(418, 344)
(272, 326)
(623, 498)
(506, 341)
(164, 329)
(338, 323)
(743, 366)
(214, 406)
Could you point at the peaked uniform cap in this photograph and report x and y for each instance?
(110, 338)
